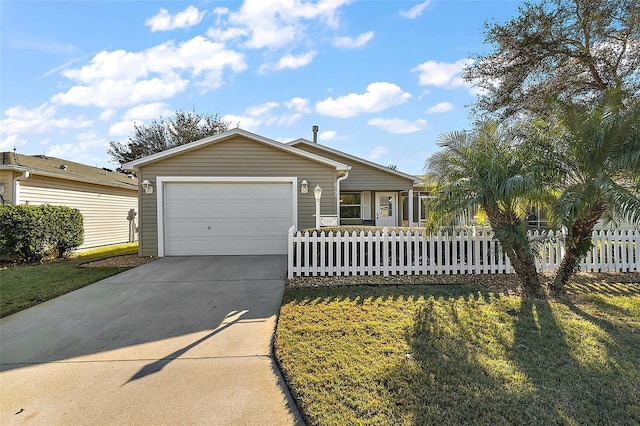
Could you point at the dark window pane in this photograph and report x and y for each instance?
(350, 212)
(353, 198)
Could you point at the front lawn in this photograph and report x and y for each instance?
(23, 286)
(451, 355)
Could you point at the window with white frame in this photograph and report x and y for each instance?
(350, 205)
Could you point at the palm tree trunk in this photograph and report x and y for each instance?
(515, 243)
(578, 243)
(525, 267)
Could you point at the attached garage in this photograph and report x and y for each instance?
(235, 193)
(219, 216)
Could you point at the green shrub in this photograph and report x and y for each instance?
(20, 232)
(65, 230)
(34, 232)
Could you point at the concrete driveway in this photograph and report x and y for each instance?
(182, 340)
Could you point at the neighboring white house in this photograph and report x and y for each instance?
(107, 199)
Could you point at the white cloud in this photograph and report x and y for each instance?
(440, 107)
(327, 135)
(298, 104)
(415, 11)
(292, 61)
(378, 97)
(82, 150)
(262, 109)
(10, 142)
(224, 35)
(288, 120)
(442, 74)
(163, 21)
(353, 43)
(398, 125)
(147, 111)
(120, 78)
(243, 121)
(254, 117)
(276, 23)
(122, 128)
(107, 115)
(220, 11)
(377, 152)
(270, 113)
(112, 93)
(38, 120)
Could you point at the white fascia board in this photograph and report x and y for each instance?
(135, 164)
(415, 179)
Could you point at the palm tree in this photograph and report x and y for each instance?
(490, 168)
(597, 155)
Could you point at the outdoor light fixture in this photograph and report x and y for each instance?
(147, 186)
(304, 186)
(317, 192)
(1, 189)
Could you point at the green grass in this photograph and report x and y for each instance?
(451, 355)
(23, 286)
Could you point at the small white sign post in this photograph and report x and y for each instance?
(317, 192)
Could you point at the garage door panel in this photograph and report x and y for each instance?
(227, 218)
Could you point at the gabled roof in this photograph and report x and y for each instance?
(353, 158)
(44, 165)
(135, 164)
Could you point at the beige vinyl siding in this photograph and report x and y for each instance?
(237, 157)
(362, 177)
(103, 208)
(6, 179)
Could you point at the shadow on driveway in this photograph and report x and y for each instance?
(171, 297)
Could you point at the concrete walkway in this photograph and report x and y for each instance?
(182, 340)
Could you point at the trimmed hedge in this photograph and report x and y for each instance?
(35, 232)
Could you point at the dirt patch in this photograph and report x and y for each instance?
(124, 261)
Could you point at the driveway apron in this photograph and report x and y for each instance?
(179, 341)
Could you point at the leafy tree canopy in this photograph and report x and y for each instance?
(572, 49)
(160, 135)
(595, 152)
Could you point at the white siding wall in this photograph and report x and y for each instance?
(104, 208)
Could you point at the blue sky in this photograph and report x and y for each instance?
(380, 78)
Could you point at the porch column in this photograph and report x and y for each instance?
(410, 215)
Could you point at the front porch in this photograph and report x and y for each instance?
(377, 208)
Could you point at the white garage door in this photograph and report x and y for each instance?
(227, 218)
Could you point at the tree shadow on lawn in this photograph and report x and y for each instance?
(388, 292)
(512, 361)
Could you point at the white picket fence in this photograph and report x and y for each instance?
(471, 250)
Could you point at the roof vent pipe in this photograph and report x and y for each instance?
(315, 134)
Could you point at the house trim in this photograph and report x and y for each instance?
(77, 178)
(135, 164)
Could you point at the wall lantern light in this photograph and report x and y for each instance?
(147, 186)
(304, 186)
